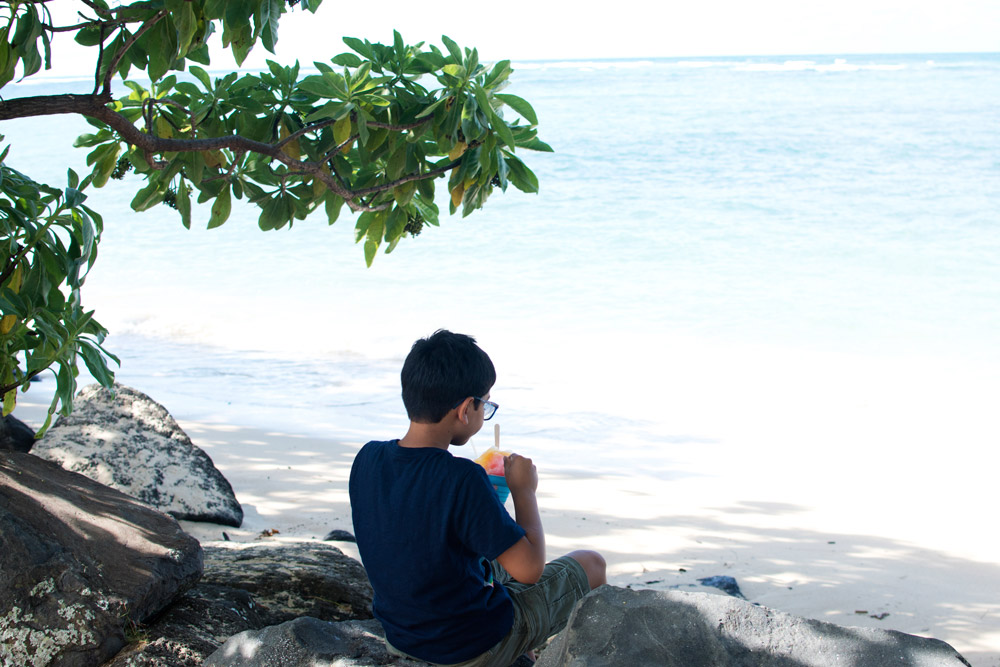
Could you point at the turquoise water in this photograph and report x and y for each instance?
(723, 251)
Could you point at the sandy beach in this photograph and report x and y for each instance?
(864, 556)
(834, 561)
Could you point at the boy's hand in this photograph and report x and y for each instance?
(520, 473)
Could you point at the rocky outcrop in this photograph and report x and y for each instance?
(16, 435)
(610, 627)
(308, 642)
(129, 442)
(291, 580)
(249, 587)
(83, 565)
(192, 628)
(615, 626)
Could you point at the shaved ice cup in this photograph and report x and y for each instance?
(499, 483)
(492, 461)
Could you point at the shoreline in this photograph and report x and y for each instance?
(846, 560)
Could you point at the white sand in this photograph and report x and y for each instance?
(823, 558)
(863, 551)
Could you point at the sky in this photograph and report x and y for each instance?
(548, 30)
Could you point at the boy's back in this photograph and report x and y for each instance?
(456, 579)
(427, 523)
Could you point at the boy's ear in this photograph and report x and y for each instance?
(463, 410)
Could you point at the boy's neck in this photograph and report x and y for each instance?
(426, 435)
(455, 428)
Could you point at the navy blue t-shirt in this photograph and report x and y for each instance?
(427, 525)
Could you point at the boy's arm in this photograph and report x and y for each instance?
(526, 559)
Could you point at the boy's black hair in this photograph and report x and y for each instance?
(440, 372)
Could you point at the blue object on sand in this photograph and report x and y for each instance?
(723, 583)
(499, 483)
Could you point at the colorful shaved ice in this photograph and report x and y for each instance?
(492, 460)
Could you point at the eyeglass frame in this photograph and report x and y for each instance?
(484, 402)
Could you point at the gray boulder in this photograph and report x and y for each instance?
(192, 628)
(615, 626)
(131, 443)
(290, 580)
(16, 435)
(83, 565)
(308, 642)
(249, 587)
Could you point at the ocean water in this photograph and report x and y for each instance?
(748, 260)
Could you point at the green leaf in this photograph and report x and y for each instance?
(8, 59)
(535, 144)
(240, 38)
(200, 55)
(184, 203)
(269, 13)
(395, 226)
(500, 127)
(89, 36)
(95, 364)
(202, 76)
(502, 168)
(472, 62)
(10, 398)
(522, 177)
(371, 247)
(347, 60)
(318, 86)
(332, 203)
(361, 226)
(404, 193)
(65, 384)
(272, 215)
(338, 84)
(221, 208)
(453, 48)
(481, 98)
(362, 47)
(161, 45)
(519, 105)
(429, 110)
(498, 74)
(147, 197)
(359, 76)
(185, 21)
(106, 163)
(74, 197)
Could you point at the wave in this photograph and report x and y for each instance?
(838, 65)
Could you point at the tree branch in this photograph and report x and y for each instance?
(127, 45)
(330, 121)
(48, 105)
(70, 28)
(336, 149)
(407, 179)
(100, 10)
(399, 128)
(95, 106)
(27, 378)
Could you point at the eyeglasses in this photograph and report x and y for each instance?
(489, 407)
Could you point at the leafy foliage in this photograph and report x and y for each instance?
(50, 242)
(371, 129)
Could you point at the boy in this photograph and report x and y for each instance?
(457, 581)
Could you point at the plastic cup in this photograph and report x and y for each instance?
(499, 483)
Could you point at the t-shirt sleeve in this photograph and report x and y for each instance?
(482, 523)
